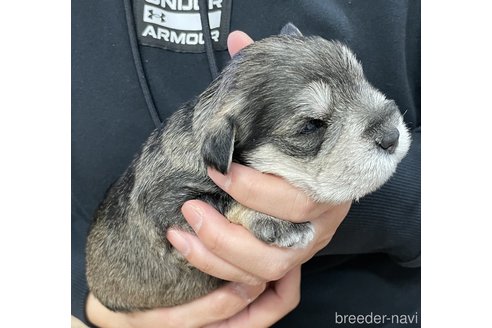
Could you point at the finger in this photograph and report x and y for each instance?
(201, 258)
(281, 299)
(327, 224)
(267, 193)
(236, 41)
(218, 305)
(101, 316)
(236, 245)
(271, 306)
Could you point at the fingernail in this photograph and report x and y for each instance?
(221, 180)
(178, 240)
(195, 220)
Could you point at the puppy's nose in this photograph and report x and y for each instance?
(390, 140)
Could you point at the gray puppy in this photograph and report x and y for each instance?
(294, 106)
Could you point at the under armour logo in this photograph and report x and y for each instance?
(161, 16)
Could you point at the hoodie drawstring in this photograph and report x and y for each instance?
(207, 38)
(212, 62)
(137, 60)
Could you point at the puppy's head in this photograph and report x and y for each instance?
(300, 107)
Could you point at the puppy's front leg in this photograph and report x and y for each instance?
(270, 229)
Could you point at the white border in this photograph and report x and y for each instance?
(456, 165)
(35, 163)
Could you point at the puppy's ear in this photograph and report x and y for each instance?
(290, 29)
(218, 146)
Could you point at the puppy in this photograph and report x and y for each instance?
(294, 106)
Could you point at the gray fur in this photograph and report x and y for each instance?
(282, 233)
(297, 107)
(290, 29)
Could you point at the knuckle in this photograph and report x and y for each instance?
(276, 270)
(216, 242)
(223, 306)
(205, 266)
(247, 190)
(253, 281)
(218, 307)
(307, 210)
(302, 207)
(294, 301)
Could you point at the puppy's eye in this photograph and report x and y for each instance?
(312, 126)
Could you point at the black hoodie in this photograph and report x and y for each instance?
(133, 64)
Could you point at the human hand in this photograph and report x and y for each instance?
(233, 305)
(229, 306)
(220, 304)
(230, 252)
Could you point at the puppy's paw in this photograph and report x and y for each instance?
(282, 233)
